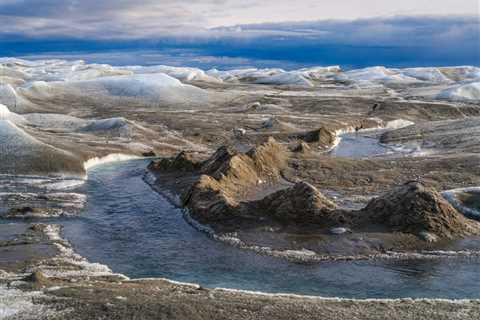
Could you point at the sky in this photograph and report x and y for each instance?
(245, 32)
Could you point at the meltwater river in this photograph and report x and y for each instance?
(137, 232)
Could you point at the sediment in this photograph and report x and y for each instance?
(244, 189)
(65, 286)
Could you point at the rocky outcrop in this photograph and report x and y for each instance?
(31, 213)
(182, 162)
(233, 186)
(301, 204)
(415, 208)
(402, 135)
(368, 123)
(323, 137)
(228, 177)
(209, 201)
(302, 147)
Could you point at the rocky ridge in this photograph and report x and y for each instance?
(249, 186)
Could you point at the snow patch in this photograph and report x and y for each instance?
(398, 124)
(180, 73)
(105, 125)
(451, 196)
(6, 114)
(425, 74)
(467, 92)
(55, 121)
(150, 88)
(114, 157)
(376, 74)
(286, 78)
(17, 304)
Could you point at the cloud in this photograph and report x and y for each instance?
(396, 31)
(133, 19)
(172, 57)
(244, 32)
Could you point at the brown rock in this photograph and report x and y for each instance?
(414, 207)
(208, 201)
(230, 176)
(38, 279)
(150, 153)
(302, 147)
(302, 203)
(322, 136)
(182, 162)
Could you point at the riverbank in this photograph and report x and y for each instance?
(56, 115)
(59, 287)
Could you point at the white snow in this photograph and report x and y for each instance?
(398, 124)
(16, 143)
(152, 88)
(376, 74)
(467, 92)
(92, 71)
(114, 157)
(382, 74)
(319, 73)
(13, 73)
(275, 76)
(6, 114)
(461, 73)
(13, 138)
(180, 73)
(55, 121)
(285, 78)
(425, 74)
(451, 196)
(105, 125)
(248, 74)
(17, 304)
(8, 95)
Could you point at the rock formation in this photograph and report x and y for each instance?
(301, 203)
(229, 177)
(233, 186)
(414, 208)
(182, 162)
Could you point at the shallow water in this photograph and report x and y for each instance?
(365, 144)
(356, 145)
(466, 200)
(137, 232)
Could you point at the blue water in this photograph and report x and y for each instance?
(137, 232)
(357, 146)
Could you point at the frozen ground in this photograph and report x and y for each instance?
(59, 118)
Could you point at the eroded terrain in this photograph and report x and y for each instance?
(309, 165)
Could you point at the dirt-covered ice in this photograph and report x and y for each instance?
(413, 130)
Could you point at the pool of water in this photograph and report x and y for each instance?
(365, 144)
(135, 231)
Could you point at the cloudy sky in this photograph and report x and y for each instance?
(225, 26)
(108, 19)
